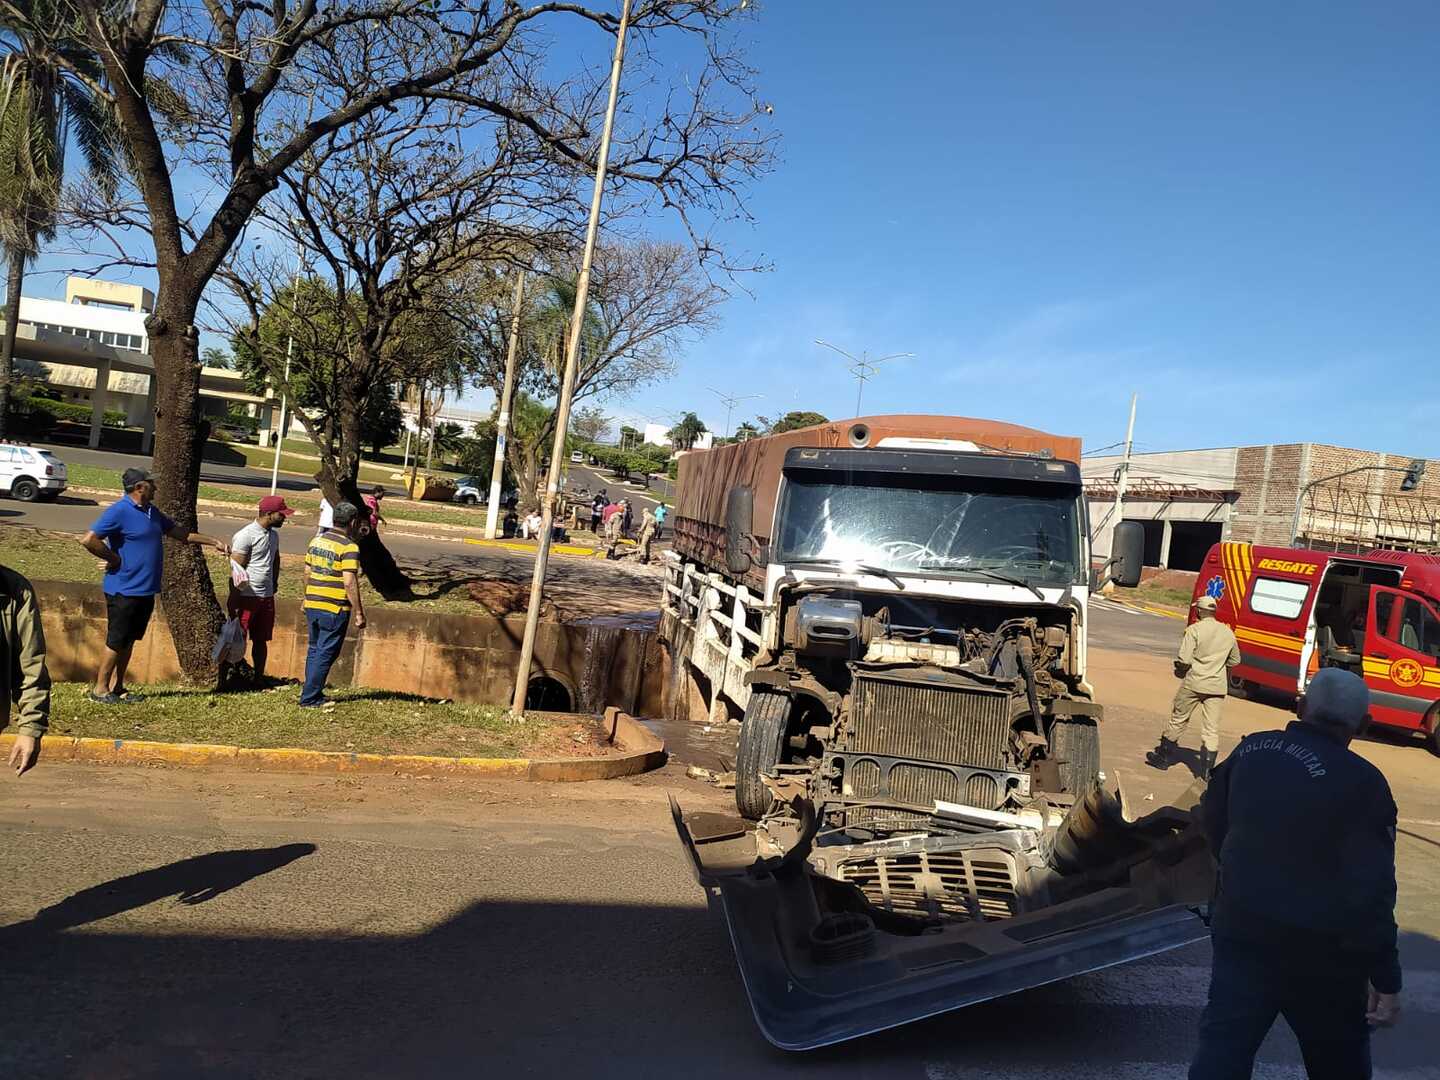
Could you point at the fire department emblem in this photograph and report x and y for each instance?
(1406, 672)
(1215, 588)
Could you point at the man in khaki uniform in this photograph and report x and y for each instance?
(1207, 652)
(647, 534)
(614, 524)
(24, 679)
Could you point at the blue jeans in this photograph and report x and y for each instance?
(327, 634)
(1252, 984)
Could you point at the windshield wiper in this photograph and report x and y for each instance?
(846, 564)
(994, 575)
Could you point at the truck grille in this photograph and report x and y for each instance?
(969, 886)
(930, 723)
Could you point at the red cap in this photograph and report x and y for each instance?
(274, 504)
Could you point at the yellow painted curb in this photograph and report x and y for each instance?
(641, 751)
(555, 549)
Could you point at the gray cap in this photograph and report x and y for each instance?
(345, 513)
(1337, 699)
(130, 479)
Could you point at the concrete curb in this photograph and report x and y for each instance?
(642, 751)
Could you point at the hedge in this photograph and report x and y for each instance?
(68, 410)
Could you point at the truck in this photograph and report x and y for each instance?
(1296, 610)
(895, 610)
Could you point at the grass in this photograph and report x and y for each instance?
(362, 721)
(42, 556)
(1158, 595)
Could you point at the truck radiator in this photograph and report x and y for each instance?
(922, 722)
(969, 886)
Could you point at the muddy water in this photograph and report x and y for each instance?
(707, 745)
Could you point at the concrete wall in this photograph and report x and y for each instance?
(437, 656)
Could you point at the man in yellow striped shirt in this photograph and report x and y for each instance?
(332, 595)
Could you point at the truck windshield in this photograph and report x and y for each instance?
(932, 525)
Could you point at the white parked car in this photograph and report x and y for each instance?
(577, 458)
(29, 474)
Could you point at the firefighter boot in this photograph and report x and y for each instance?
(1164, 755)
(1207, 763)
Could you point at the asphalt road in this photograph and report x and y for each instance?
(210, 472)
(160, 923)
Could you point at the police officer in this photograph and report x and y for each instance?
(1207, 651)
(1303, 923)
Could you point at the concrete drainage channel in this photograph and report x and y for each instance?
(604, 670)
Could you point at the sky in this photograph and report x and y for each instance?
(1228, 209)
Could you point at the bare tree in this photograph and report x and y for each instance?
(645, 298)
(244, 91)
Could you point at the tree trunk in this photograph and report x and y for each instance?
(188, 594)
(13, 282)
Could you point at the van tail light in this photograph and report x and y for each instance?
(49, 470)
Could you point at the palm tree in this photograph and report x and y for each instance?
(746, 431)
(687, 432)
(46, 101)
(446, 438)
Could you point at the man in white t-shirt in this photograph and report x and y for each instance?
(255, 576)
(327, 516)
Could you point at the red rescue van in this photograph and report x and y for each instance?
(1295, 611)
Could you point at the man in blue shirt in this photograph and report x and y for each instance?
(127, 537)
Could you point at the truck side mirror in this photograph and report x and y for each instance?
(1127, 553)
(739, 521)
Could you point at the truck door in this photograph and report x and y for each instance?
(1402, 657)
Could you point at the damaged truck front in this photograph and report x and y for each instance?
(897, 607)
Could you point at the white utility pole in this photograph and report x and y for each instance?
(289, 353)
(1122, 475)
(567, 385)
(502, 422)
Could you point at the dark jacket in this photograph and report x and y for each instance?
(1304, 832)
(24, 679)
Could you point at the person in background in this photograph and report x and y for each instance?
(648, 529)
(332, 598)
(530, 529)
(128, 538)
(1207, 651)
(24, 678)
(327, 516)
(628, 515)
(372, 504)
(255, 549)
(661, 513)
(614, 521)
(597, 513)
(1303, 921)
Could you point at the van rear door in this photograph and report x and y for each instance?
(1402, 657)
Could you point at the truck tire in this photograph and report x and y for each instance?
(1242, 689)
(1075, 745)
(1432, 731)
(25, 489)
(762, 737)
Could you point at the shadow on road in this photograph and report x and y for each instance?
(190, 881)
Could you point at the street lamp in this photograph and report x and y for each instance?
(1409, 482)
(289, 352)
(730, 401)
(862, 367)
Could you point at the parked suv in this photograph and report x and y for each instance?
(29, 474)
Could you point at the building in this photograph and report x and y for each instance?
(1322, 496)
(96, 336)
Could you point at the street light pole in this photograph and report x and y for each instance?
(730, 401)
(862, 367)
(289, 353)
(567, 385)
(502, 423)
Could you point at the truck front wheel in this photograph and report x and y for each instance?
(762, 738)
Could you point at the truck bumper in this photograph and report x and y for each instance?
(803, 1000)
